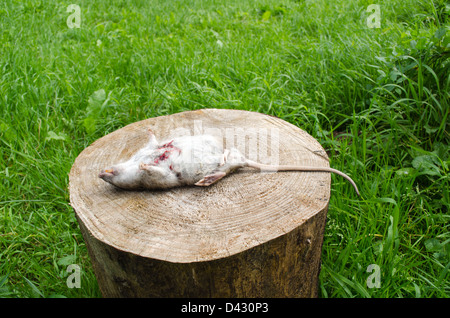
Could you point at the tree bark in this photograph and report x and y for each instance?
(252, 234)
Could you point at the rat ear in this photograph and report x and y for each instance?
(211, 178)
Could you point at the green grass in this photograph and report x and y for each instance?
(376, 99)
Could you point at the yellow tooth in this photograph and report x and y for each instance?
(108, 171)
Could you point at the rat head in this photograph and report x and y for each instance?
(123, 175)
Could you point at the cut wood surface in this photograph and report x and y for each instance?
(282, 211)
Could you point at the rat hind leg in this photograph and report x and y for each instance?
(229, 162)
(217, 174)
(211, 178)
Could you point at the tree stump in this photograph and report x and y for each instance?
(252, 234)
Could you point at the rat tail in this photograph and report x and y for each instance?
(270, 168)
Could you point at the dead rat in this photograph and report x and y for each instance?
(190, 160)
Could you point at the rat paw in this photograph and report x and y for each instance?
(224, 158)
(144, 166)
(210, 179)
(151, 138)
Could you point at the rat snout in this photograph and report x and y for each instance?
(106, 173)
(102, 174)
